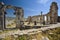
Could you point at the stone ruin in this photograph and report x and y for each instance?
(18, 12)
(50, 18)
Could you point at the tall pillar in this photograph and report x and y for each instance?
(2, 12)
(54, 12)
(41, 18)
(2, 7)
(1, 20)
(47, 19)
(19, 18)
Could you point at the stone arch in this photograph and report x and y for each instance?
(18, 13)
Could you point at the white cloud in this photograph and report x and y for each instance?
(42, 1)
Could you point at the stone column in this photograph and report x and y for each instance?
(1, 20)
(41, 18)
(54, 12)
(19, 18)
(3, 17)
(47, 19)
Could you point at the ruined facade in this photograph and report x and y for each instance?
(53, 12)
(49, 18)
(18, 12)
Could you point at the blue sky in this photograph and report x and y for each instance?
(32, 7)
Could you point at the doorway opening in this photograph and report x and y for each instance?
(10, 21)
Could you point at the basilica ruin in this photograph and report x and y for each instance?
(50, 18)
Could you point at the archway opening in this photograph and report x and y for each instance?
(10, 21)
